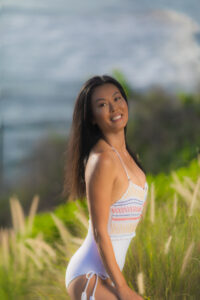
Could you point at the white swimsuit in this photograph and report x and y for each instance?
(124, 216)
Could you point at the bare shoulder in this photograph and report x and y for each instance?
(101, 162)
(100, 175)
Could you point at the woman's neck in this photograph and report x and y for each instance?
(116, 140)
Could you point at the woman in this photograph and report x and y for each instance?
(101, 167)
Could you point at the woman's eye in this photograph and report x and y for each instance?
(102, 104)
(117, 98)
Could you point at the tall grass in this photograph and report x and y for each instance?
(30, 268)
(163, 260)
(166, 248)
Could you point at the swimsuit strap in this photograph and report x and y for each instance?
(121, 162)
(89, 276)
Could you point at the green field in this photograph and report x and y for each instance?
(163, 260)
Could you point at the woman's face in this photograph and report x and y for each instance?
(109, 108)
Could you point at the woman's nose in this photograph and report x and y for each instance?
(113, 106)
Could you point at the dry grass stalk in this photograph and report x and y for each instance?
(181, 189)
(152, 211)
(36, 249)
(140, 283)
(32, 212)
(144, 209)
(175, 206)
(77, 241)
(186, 257)
(4, 243)
(194, 197)
(189, 182)
(13, 244)
(37, 243)
(62, 249)
(82, 218)
(14, 214)
(12, 237)
(81, 215)
(67, 253)
(167, 244)
(17, 213)
(64, 233)
(47, 261)
(21, 257)
(34, 257)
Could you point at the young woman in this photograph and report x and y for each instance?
(101, 167)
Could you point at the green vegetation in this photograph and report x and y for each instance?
(166, 251)
(162, 261)
(164, 129)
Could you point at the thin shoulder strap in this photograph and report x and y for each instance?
(121, 161)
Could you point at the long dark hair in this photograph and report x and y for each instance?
(83, 136)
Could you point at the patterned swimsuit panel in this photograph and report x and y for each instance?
(125, 213)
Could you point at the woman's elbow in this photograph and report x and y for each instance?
(100, 235)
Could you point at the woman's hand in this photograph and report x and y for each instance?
(126, 293)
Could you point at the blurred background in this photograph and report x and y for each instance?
(49, 48)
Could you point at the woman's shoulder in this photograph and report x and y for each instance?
(101, 147)
(102, 152)
(101, 157)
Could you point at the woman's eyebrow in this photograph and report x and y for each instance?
(98, 99)
(117, 92)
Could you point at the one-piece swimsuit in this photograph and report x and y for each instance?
(124, 216)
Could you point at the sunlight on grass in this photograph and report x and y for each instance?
(163, 260)
(166, 246)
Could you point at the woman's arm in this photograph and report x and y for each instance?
(99, 185)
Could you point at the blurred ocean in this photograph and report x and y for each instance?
(49, 48)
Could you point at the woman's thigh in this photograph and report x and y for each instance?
(104, 290)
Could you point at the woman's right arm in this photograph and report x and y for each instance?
(99, 186)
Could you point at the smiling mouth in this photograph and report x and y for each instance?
(118, 117)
